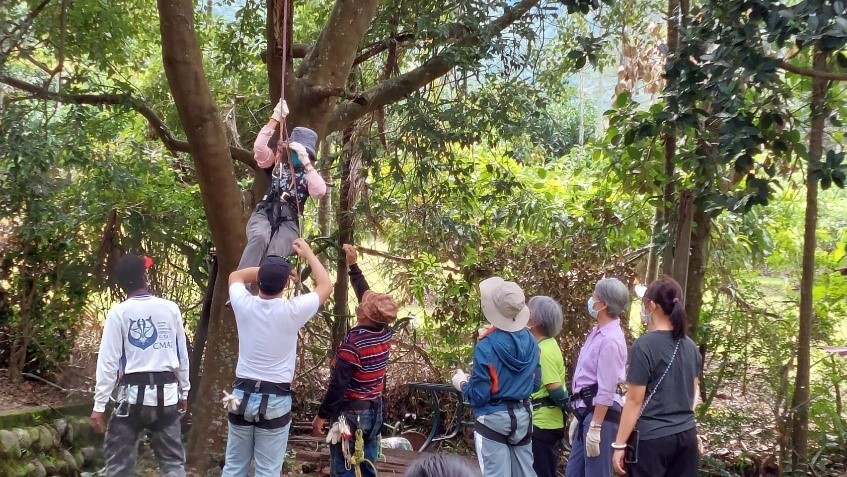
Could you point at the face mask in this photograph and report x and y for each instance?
(295, 161)
(591, 310)
(645, 316)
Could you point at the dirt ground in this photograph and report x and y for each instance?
(29, 393)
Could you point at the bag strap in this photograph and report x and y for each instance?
(662, 378)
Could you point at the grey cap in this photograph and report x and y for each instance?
(306, 137)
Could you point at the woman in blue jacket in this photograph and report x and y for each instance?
(505, 373)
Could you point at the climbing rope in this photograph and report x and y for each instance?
(356, 460)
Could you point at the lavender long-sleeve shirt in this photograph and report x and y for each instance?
(602, 360)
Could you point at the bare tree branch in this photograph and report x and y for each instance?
(122, 99)
(810, 72)
(395, 89)
(379, 46)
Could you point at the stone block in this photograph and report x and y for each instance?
(61, 426)
(24, 437)
(37, 470)
(45, 438)
(71, 461)
(10, 446)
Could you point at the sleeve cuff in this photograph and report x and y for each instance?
(99, 407)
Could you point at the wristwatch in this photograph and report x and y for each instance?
(595, 425)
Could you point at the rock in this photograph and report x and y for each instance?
(34, 437)
(89, 453)
(57, 439)
(38, 470)
(70, 436)
(24, 437)
(61, 426)
(79, 458)
(10, 446)
(45, 439)
(71, 461)
(53, 466)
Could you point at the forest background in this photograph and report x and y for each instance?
(552, 143)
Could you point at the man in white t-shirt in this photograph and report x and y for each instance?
(267, 349)
(143, 351)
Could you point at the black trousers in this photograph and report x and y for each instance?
(676, 455)
(546, 444)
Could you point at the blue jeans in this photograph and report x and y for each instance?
(370, 421)
(580, 465)
(266, 446)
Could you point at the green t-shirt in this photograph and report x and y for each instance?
(552, 371)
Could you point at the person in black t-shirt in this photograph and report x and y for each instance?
(662, 387)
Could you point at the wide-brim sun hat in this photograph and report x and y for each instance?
(503, 304)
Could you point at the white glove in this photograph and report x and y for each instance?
(230, 402)
(339, 431)
(592, 442)
(334, 434)
(572, 430)
(459, 377)
(300, 149)
(280, 111)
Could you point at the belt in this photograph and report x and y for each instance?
(149, 379)
(253, 386)
(360, 405)
(612, 415)
(158, 379)
(510, 402)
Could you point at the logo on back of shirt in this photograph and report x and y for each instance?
(142, 333)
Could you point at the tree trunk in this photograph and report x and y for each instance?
(668, 217)
(222, 204)
(697, 269)
(202, 331)
(800, 400)
(682, 241)
(22, 332)
(653, 255)
(696, 281)
(344, 219)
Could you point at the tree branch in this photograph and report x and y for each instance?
(378, 47)
(810, 72)
(298, 50)
(331, 59)
(395, 89)
(122, 99)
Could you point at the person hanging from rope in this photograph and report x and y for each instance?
(144, 353)
(292, 178)
(357, 378)
(259, 408)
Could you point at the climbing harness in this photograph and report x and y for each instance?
(266, 389)
(511, 405)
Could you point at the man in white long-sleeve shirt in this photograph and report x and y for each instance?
(143, 351)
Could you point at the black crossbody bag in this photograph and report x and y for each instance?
(631, 451)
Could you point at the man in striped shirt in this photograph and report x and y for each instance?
(358, 372)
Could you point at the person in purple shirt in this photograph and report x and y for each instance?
(601, 367)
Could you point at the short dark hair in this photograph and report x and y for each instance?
(442, 465)
(129, 273)
(667, 294)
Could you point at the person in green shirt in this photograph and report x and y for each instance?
(551, 400)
